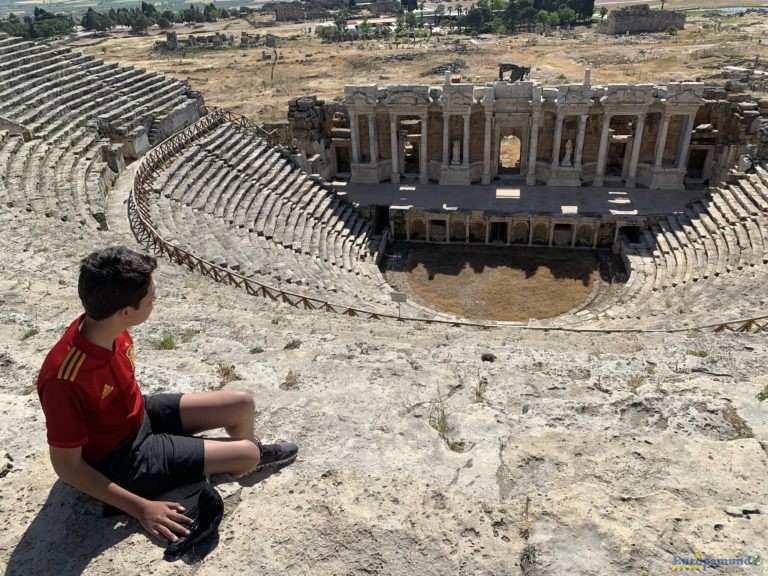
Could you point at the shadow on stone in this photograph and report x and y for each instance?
(66, 535)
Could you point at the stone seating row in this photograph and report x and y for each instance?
(278, 201)
(255, 257)
(47, 82)
(710, 260)
(259, 215)
(56, 93)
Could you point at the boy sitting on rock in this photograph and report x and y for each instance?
(114, 444)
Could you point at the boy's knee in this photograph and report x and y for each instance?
(245, 401)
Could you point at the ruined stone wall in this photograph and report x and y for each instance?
(384, 7)
(476, 136)
(707, 128)
(640, 18)
(435, 137)
(382, 133)
(289, 11)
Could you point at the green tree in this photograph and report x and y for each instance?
(528, 16)
(211, 13)
(603, 12)
(566, 15)
(139, 24)
(88, 19)
(147, 9)
(439, 13)
(366, 29)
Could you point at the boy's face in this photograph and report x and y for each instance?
(138, 315)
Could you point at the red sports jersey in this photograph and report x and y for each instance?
(89, 394)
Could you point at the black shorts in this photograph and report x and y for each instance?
(161, 456)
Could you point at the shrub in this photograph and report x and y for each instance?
(166, 342)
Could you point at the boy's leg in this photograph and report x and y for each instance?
(234, 457)
(230, 410)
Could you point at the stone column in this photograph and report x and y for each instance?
(374, 139)
(354, 134)
(594, 240)
(427, 227)
(423, 175)
(447, 231)
(602, 153)
(487, 148)
(530, 232)
(466, 233)
(685, 141)
(636, 144)
(394, 151)
(509, 232)
(487, 232)
(407, 227)
(446, 139)
(551, 233)
(580, 141)
(465, 150)
(573, 236)
(661, 142)
(556, 142)
(530, 179)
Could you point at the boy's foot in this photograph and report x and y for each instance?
(275, 455)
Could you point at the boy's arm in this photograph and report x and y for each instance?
(160, 519)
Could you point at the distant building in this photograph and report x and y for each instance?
(640, 18)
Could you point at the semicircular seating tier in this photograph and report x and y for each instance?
(231, 199)
(705, 265)
(58, 111)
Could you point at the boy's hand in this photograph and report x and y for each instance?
(162, 519)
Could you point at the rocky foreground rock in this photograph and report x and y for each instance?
(424, 449)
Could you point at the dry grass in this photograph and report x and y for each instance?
(513, 284)
(240, 80)
(740, 427)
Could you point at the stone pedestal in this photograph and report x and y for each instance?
(454, 174)
(564, 176)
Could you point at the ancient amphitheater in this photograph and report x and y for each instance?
(621, 437)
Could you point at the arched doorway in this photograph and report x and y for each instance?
(510, 155)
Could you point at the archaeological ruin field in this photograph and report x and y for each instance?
(609, 419)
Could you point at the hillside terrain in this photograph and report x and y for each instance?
(424, 449)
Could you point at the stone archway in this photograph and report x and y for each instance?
(477, 231)
(418, 229)
(541, 234)
(458, 231)
(520, 232)
(510, 155)
(585, 235)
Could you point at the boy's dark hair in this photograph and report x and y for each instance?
(113, 278)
